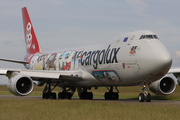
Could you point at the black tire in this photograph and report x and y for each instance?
(141, 97)
(106, 95)
(89, 95)
(113, 96)
(116, 96)
(45, 96)
(83, 95)
(60, 95)
(69, 95)
(148, 98)
(53, 95)
(63, 95)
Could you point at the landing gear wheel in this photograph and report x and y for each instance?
(49, 95)
(114, 96)
(89, 95)
(141, 97)
(148, 98)
(47, 92)
(144, 96)
(111, 96)
(45, 96)
(53, 95)
(69, 95)
(61, 95)
(107, 96)
(83, 94)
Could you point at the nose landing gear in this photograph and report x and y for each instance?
(144, 96)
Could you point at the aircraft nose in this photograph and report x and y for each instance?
(164, 61)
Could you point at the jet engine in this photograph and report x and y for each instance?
(20, 84)
(164, 86)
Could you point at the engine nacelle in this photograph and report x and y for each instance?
(164, 86)
(178, 80)
(20, 84)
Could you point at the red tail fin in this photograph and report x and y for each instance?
(32, 45)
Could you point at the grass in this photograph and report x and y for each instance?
(38, 109)
(84, 109)
(125, 93)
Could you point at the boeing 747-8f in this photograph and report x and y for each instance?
(135, 58)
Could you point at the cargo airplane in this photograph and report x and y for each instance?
(135, 58)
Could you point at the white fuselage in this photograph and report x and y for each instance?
(127, 60)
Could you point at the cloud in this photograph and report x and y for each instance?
(138, 7)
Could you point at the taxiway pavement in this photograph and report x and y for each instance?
(95, 99)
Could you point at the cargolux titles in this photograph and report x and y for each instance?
(100, 57)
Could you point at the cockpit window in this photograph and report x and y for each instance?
(148, 37)
(142, 37)
(155, 37)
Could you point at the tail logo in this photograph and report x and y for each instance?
(29, 36)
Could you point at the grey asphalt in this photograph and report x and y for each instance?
(96, 99)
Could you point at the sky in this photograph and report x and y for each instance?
(60, 24)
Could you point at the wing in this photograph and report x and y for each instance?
(45, 75)
(175, 71)
(15, 61)
(21, 81)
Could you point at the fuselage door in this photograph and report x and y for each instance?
(130, 40)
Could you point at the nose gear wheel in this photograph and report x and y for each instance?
(144, 96)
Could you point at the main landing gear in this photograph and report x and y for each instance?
(111, 95)
(65, 94)
(47, 92)
(145, 96)
(83, 94)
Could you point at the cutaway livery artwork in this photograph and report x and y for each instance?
(67, 60)
(135, 58)
(106, 76)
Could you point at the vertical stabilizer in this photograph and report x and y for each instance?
(32, 44)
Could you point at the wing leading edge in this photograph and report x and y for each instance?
(15, 61)
(175, 72)
(44, 75)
